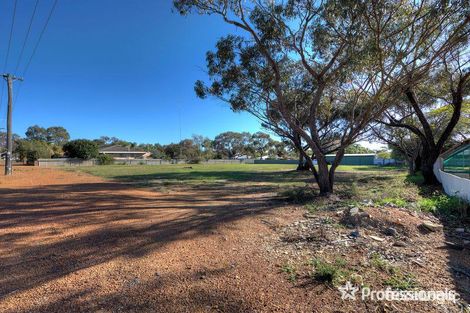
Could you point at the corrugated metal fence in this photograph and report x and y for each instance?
(453, 185)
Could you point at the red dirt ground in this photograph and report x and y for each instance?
(71, 242)
(74, 242)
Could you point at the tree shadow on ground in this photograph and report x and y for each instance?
(160, 292)
(216, 177)
(55, 230)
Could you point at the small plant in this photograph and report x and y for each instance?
(105, 159)
(311, 207)
(398, 202)
(378, 262)
(401, 281)
(332, 273)
(298, 195)
(290, 270)
(354, 191)
(442, 204)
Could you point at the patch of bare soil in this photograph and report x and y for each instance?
(71, 242)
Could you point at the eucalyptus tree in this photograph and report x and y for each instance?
(321, 52)
(426, 46)
(402, 141)
(431, 111)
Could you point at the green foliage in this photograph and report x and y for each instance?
(81, 148)
(57, 135)
(290, 270)
(384, 154)
(442, 204)
(105, 159)
(333, 273)
(32, 150)
(378, 262)
(358, 149)
(298, 195)
(36, 132)
(399, 202)
(401, 281)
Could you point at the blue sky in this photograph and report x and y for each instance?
(117, 68)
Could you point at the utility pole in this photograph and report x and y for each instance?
(9, 78)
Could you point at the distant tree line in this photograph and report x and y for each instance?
(54, 142)
(227, 145)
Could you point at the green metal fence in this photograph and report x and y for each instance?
(458, 161)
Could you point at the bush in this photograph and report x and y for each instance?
(32, 150)
(442, 204)
(194, 161)
(298, 195)
(105, 159)
(81, 148)
(333, 273)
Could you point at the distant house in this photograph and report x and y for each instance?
(124, 153)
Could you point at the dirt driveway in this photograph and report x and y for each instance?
(74, 242)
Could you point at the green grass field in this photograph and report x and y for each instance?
(382, 185)
(281, 174)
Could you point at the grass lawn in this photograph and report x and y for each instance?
(355, 184)
(279, 174)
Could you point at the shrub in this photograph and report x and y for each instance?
(195, 160)
(298, 195)
(32, 150)
(442, 204)
(333, 273)
(105, 159)
(81, 148)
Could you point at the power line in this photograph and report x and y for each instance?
(8, 49)
(37, 45)
(11, 35)
(40, 37)
(27, 36)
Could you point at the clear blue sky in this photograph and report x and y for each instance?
(118, 68)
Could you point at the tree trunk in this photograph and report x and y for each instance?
(302, 166)
(427, 167)
(323, 180)
(417, 163)
(411, 167)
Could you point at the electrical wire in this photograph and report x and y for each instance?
(40, 37)
(11, 35)
(27, 36)
(36, 46)
(8, 51)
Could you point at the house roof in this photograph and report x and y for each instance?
(455, 148)
(119, 149)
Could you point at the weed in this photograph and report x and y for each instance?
(378, 262)
(401, 281)
(354, 191)
(290, 270)
(443, 204)
(312, 207)
(298, 195)
(333, 273)
(392, 201)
